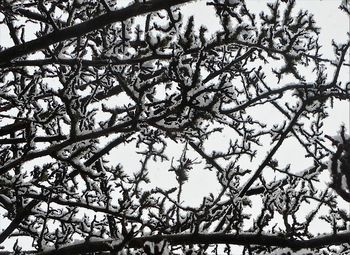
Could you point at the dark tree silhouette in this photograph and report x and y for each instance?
(84, 81)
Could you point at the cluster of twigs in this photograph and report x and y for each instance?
(98, 78)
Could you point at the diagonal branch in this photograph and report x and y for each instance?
(123, 127)
(272, 152)
(23, 213)
(107, 148)
(83, 28)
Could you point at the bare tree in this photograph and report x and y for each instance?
(84, 80)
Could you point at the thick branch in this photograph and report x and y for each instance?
(271, 153)
(123, 127)
(107, 149)
(39, 139)
(216, 238)
(17, 220)
(86, 27)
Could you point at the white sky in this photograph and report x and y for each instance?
(333, 23)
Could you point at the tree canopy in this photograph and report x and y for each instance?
(109, 109)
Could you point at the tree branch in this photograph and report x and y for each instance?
(86, 27)
(271, 153)
(214, 238)
(23, 213)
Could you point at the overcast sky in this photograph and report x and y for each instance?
(334, 25)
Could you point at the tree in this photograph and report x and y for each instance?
(84, 81)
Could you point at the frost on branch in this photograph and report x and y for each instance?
(128, 127)
(339, 164)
